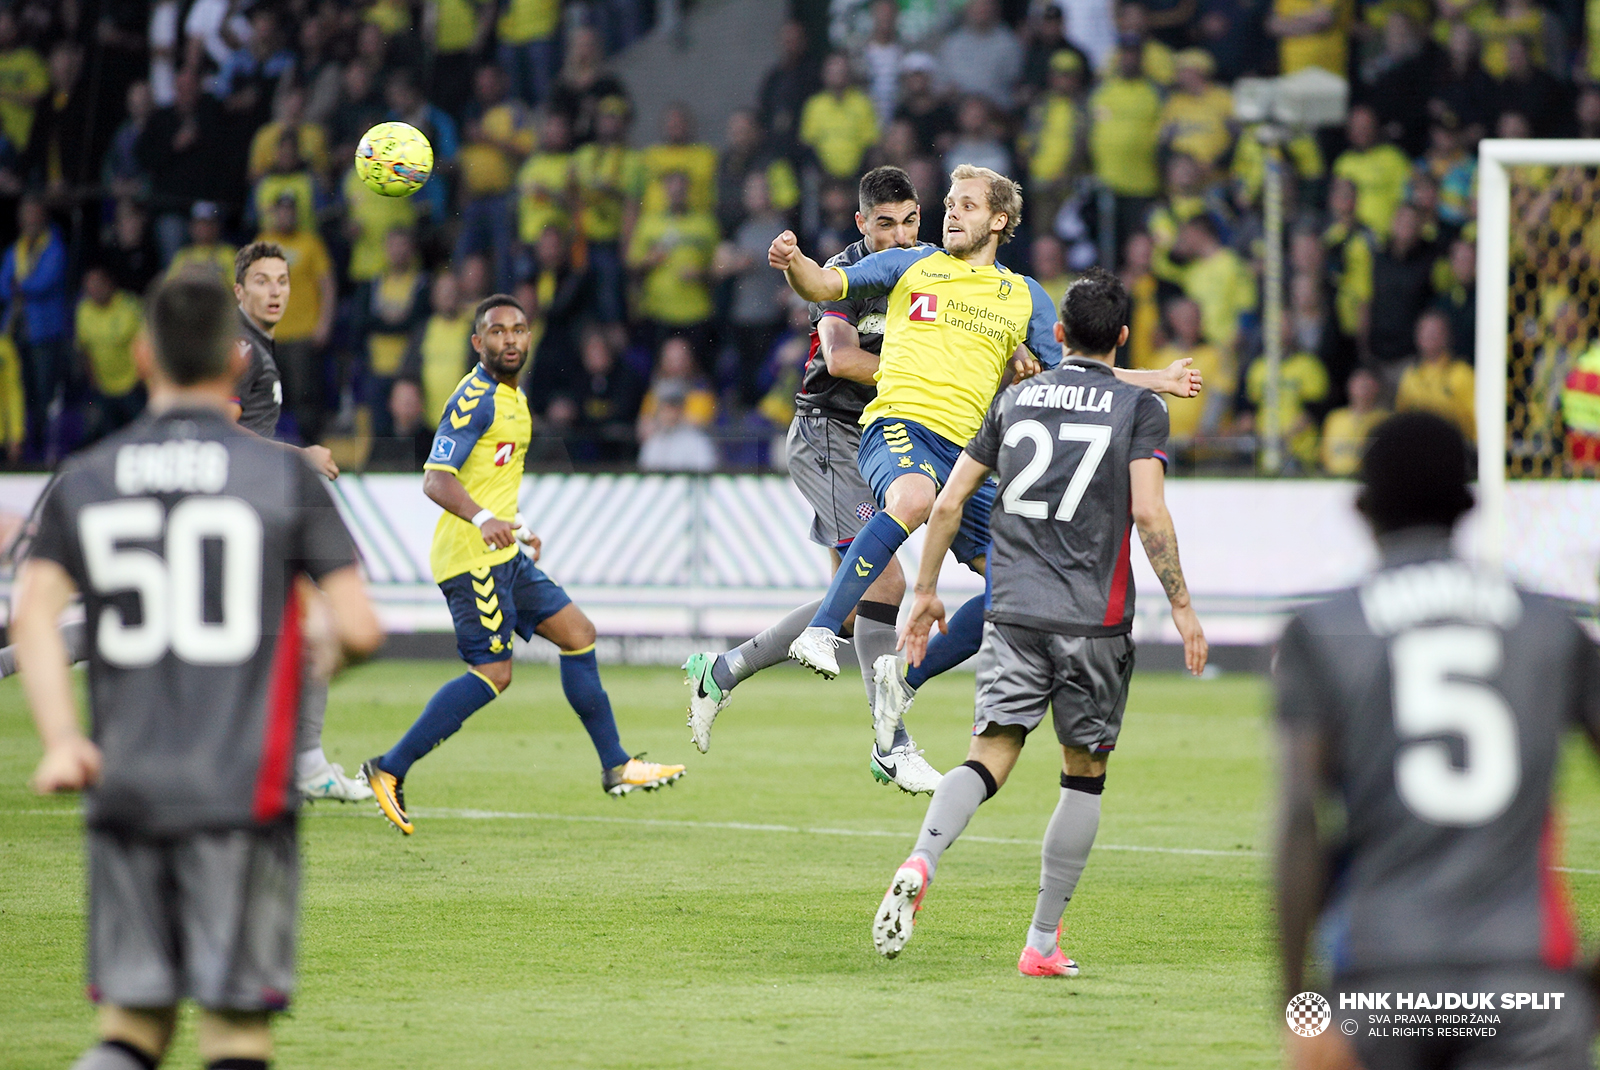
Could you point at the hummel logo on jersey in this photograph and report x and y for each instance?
(1056, 396)
(924, 308)
(863, 568)
(503, 452)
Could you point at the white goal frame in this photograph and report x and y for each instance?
(1493, 335)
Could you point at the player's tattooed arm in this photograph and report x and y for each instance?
(1160, 540)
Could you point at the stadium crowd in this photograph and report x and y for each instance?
(143, 137)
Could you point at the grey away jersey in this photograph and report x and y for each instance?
(260, 390)
(1060, 444)
(184, 534)
(822, 394)
(1442, 695)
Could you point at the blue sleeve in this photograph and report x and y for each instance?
(8, 274)
(877, 273)
(1041, 340)
(466, 418)
(49, 273)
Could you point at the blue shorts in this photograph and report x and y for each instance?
(488, 604)
(891, 448)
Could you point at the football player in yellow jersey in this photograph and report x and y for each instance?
(957, 322)
(474, 471)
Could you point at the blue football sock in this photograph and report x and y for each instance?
(451, 705)
(947, 651)
(870, 551)
(580, 679)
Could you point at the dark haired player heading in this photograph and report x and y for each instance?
(191, 542)
(1430, 703)
(474, 472)
(839, 382)
(1081, 459)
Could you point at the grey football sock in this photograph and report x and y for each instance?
(874, 639)
(113, 1055)
(765, 650)
(1067, 840)
(313, 711)
(958, 797)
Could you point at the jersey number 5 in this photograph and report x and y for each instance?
(1097, 437)
(1440, 690)
(171, 586)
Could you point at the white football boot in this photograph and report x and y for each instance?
(891, 699)
(905, 768)
(330, 782)
(814, 649)
(897, 914)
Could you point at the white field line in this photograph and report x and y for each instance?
(743, 826)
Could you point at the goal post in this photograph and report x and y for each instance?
(1493, 344)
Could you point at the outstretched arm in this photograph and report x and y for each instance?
(926, 608)
(1177, 378)
(1148, 476)
(806, 277)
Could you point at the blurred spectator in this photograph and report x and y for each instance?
(129, 252)
(24, 80)
(584, 84)
(1532, 91)
(1045, 35)
(544, 184)
(33, 284)
(303, 332)
(123, 174)
(1123, 142)
(1402, 270)
(1047, 263)
(1055, 140)
(838, 123)
(1301, 153)
(1302, 381)
(1434, 381)
(289, 174)
(528, 32)
(389, 309)
(1345, 431)
(1458, 299)
(1505, 21)
(1454, 169)
(206, 251)
(790, 83)
(607, 400)
(1091, 29)
(369, 218)
(1197, 119)
(669, 442)
(1350, 247)
(1311, 33)
(554, 291)
(1315, 331)
(360, 107)
(1133, 31)
(1397, 81)
(1587, 111)
(407, 104)
(677, 371)
(757, 311)
(289, 118)
(927, 111)
(180, 149)
(249, 77)
(461, 31)
(609, 177)
(1183, 198)
(65, 145)
(437, 356)
(498, 132)
(1462, 89)
(679, 152)
(983, 56)
(1215, 277)
(880, 58)
(671, 250)
(1144, 314)
(1206, 414)
(837, 226)
(106, 322)
(1233, 32)
(978, 139)
(744, 154)
(931, 187)
(317, 70)
(1378, 170)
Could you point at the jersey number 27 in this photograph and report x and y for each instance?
(171, 585)
(1096, 437)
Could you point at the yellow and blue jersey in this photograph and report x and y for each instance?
(482, 440)
(949, 332)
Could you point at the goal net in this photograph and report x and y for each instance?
(1538, 315)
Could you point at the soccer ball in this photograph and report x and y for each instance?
(394, 159)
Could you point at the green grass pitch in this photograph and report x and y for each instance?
(533, 921)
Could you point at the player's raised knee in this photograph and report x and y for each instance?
(497, 673)
(910, 499)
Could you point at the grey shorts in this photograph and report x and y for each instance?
(822, 463)
(1082, 679)
(1522, 1038)
(209, 916)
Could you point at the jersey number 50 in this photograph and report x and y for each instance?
(171, 585)
(1440, 690)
